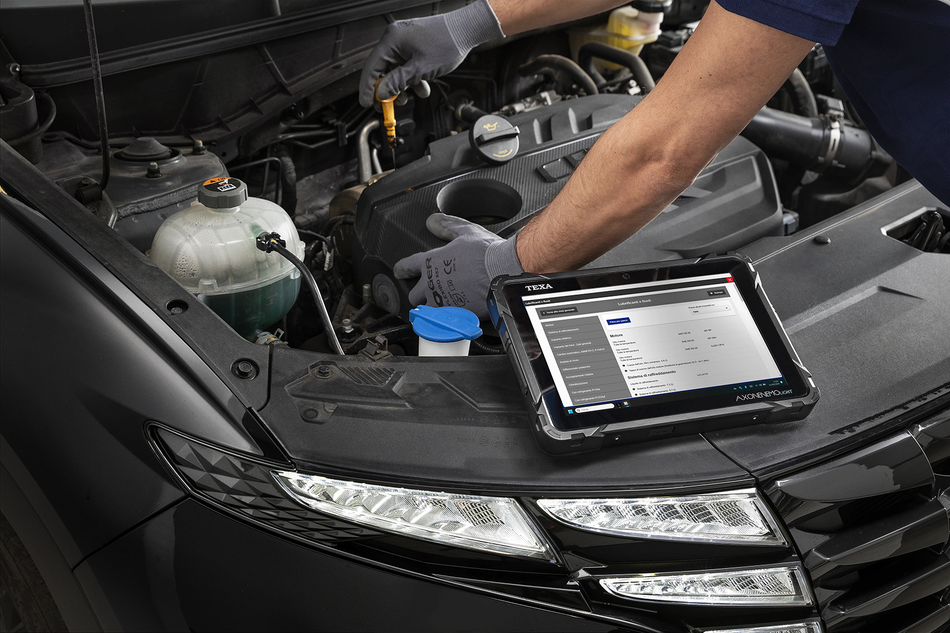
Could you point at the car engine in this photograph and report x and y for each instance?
(360, 208)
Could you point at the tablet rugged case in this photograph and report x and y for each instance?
(558, 442)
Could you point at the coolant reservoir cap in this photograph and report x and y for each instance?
(222, 192)
(444, 325)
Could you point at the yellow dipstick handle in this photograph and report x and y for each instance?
(389, 118)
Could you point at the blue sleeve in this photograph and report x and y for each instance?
(814, 20)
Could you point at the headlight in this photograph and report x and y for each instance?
(738, 516)
(488, 524)
(773, 586)
(798, 627)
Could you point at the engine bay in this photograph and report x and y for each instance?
(359, 208)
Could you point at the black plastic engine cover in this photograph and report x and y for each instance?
(733, 202)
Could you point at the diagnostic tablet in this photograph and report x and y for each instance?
(613, 355)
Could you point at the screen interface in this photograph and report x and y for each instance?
(610, 349)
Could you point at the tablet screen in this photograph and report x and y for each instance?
(606, 349)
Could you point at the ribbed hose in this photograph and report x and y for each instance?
(487, 348)
(802, 94)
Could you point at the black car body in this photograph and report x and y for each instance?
(141, 435)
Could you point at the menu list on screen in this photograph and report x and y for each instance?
(605, 348)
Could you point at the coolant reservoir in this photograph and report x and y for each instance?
(210, 249)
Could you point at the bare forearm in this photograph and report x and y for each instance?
(517, 16)
(727, 71)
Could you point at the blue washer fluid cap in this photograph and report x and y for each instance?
(444, 325)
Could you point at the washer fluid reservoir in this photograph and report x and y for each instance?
(209, 248)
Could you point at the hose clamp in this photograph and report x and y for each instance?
(834, 141)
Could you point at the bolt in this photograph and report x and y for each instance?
(14, 68)
(323, 371)
(244, 369)
(176, 310)
(198, 148)
(153, 171)
(347, 326)
(311, 414)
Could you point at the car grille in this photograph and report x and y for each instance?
(873, 528)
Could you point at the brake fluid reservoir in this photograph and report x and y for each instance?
(628, 27)
(210, 249)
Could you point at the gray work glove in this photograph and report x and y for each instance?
(412, 51)
(459, 273)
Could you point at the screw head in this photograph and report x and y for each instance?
(323, 371)
(244, 368)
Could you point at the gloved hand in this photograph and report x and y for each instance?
(411, 51)
(459, 273)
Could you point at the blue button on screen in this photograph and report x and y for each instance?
(618, 321)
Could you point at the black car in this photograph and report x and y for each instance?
(162, 471)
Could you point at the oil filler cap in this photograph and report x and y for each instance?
(494, 139)
(222, 192)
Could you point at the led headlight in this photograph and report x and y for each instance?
(772, 586)
(738, 516)
(797, 627)
(489, 524)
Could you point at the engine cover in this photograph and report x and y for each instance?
(733, 202)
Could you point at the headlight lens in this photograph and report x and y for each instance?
(738, 516)
(488, 524)
(773, 586)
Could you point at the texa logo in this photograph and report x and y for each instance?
(539, 287)
(762, 394)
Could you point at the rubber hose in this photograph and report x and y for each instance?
(100, 95)
(802, 94)
(805, 141)
(488, 348)
(288, 180)
(469, 113)
(42, 127)
(599, 50)
(563, 64)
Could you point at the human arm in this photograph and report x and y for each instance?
(412, 51)
(726, 72)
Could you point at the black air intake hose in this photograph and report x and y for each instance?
(822, 143)
(801, 93)
(590, 50)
